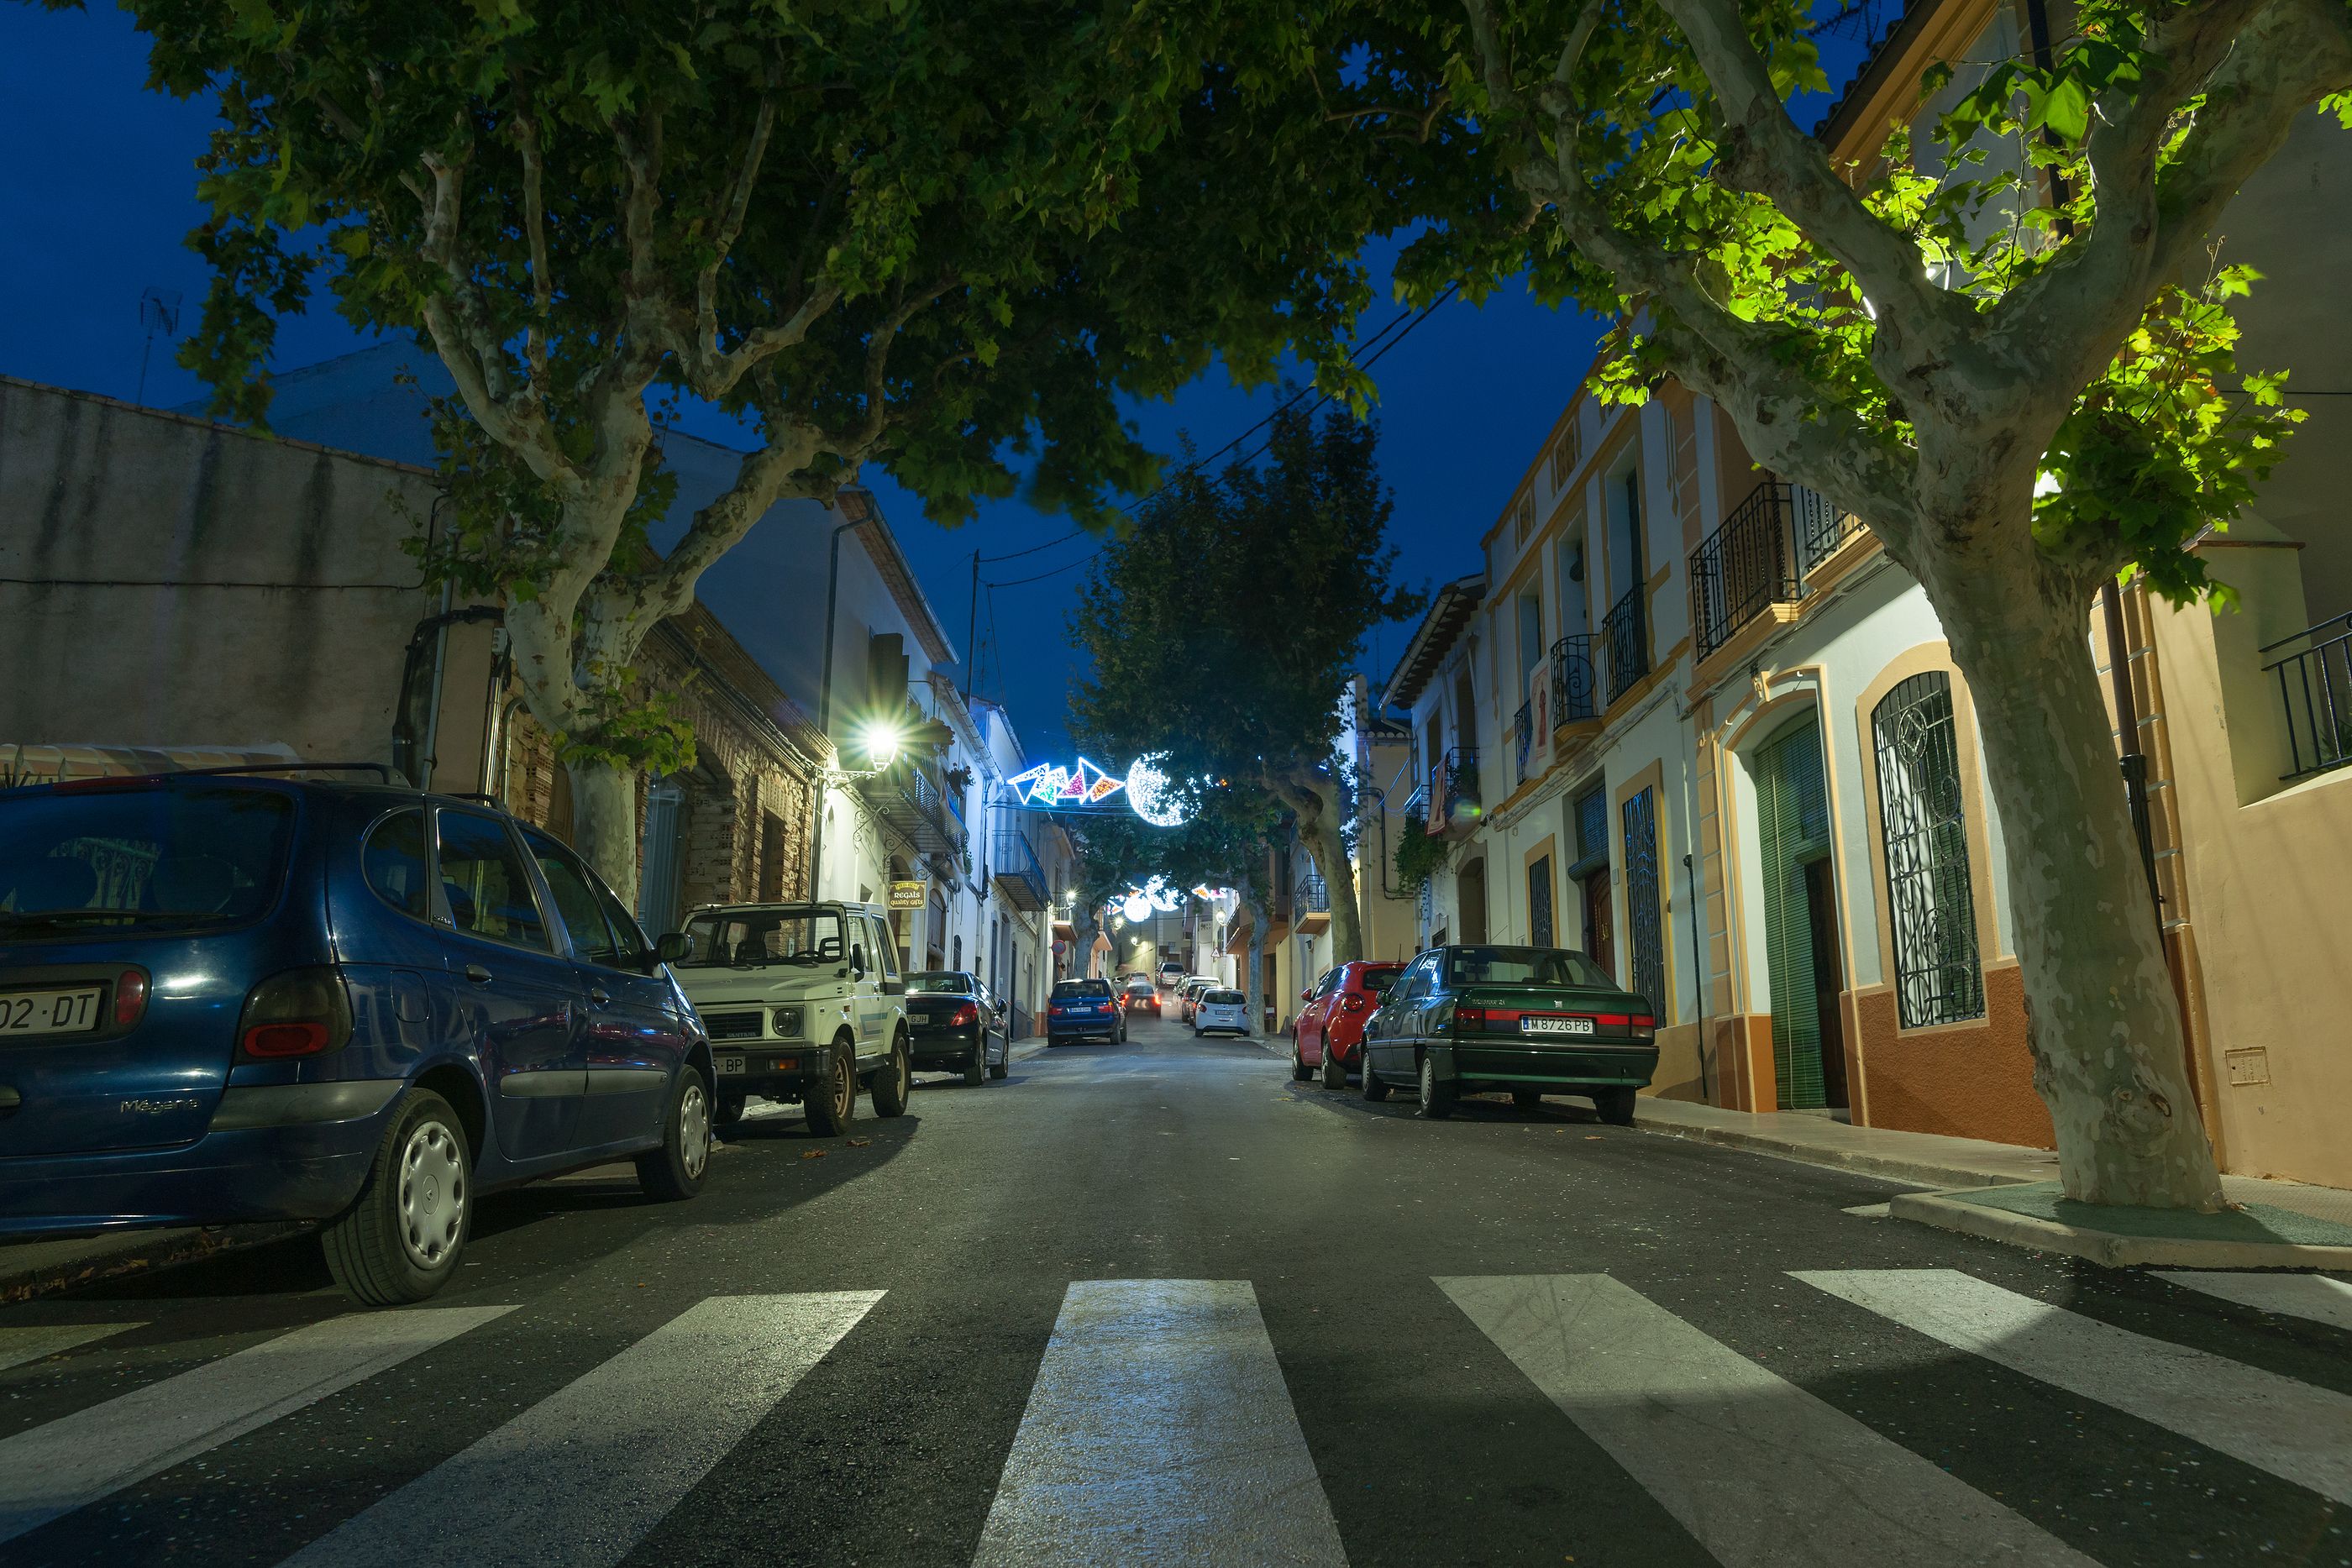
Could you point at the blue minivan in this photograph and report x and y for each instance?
(226, 996)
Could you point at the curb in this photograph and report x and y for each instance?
(88, 1260)
(2106, 1248)
(1893, 1168)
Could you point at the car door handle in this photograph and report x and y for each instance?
(477, 974)
(599, 995)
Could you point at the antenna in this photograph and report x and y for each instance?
(159, 312)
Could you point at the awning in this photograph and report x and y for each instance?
(36, 762)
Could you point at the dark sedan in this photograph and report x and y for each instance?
(1530, 1021)
(957, 1022)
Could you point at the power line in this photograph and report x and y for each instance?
(1042, 576)
(1032, 549)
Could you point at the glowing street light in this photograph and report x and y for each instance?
(881, 737)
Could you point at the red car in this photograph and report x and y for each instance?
(1329, 1033)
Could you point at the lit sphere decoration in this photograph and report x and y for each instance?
(1136, 908)
(1147, 793)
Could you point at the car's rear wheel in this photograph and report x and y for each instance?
(1616, 1106)
(1299, 1071)
(674, 1169)
(975, 1066)
(1335, 1071)
(1374, 1090)
(894, 1081)
(400, 1239)
(1003, 1064)
(1438, 1094)
(832, 1104)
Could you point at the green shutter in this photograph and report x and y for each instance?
(1792, 829)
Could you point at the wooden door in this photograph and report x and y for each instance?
(1600, 922)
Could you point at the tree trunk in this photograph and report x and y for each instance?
(1082, 921)
(604, 822)
(1253, 970)
(2102, 1020)
(1313, 801)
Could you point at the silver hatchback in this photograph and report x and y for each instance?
(1221, 1012)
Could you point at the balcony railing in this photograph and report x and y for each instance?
(1625, 640)
(1523, 738)
(1313, 895)
(1761, 556)
(1016, 870)
(1453, 781)
(907, 799)
(2316, 687)
(1573, 686)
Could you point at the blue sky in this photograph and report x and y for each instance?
(102, 189)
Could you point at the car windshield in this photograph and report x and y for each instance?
(1066, 990)
(941, 982)
(1523, 967)
(151, 859)
(1378, 981)
(1139, 984)
(748, 938)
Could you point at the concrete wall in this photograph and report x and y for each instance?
(167, 582)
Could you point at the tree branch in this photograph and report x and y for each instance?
(534, 223)
(854, 445)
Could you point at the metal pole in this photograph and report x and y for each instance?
(824, 707)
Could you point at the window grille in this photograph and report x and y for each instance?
(1539, 902)
(1644, 933)
(1565, 456)
(1937, 978)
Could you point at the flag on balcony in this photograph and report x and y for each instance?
(1539, 714)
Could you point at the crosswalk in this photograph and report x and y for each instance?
(1160, 1426)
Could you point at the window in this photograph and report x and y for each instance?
(1565, 453)
(1523, 967)
(174, 858)
(577, 908)
(1645, 931)
(633, 952)
(1539, 902)
(744, 937)
(393, 861)
(1523, 517)
(483, 883)
(771, 856)
(1925, 828)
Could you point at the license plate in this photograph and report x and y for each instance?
(1555, 1026)
(729, 1066)
(26, 1013)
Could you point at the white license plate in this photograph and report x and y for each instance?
(1555, 1026)
(729, 1066)
(49, 1012)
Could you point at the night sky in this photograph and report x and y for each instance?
(101, 193)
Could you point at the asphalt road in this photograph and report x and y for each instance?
(1157, 1303)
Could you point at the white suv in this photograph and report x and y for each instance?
(802, 1001)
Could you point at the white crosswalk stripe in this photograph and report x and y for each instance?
(2313, 1296)
(1160, 1431)
(1761, 1473)
(18, 1346)
(53, 1469)
(580, 1478)
(2272, 1423)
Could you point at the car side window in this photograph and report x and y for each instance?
(576, 904)
(484, 889)
(392, 862)
(886, 947)
(1415, 983)
(633, 951)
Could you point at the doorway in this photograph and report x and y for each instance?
(1801, 949)
(1539, 902)
(1829, 976)
(1600, 922)
(1470, 891)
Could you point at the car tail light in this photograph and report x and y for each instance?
(1609, 1020)
(301, 1012)
(1353, 1002)
(1470, 1018)
(965, 1017)
(1644, 1026)
(130, 998)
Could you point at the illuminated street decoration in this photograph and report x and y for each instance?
(1155, 895)
(1050, 784)
(1147, 793)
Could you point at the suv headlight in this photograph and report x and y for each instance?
(788, 1023)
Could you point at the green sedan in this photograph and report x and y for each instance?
(1530, 1020)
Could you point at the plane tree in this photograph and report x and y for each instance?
(942, 238)
(1999, 339)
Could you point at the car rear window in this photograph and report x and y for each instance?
(1378, 981)
(939, 982)
(1224, 1000)
(1065, 990)
(1523, 967)
(164, 857)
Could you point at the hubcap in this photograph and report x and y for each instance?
(845, 1086)
(693, 1129)
(1428, 1083)
(432, 1195)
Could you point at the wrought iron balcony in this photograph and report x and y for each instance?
(1761, 556)
(1016, 869)
(1625, 640)
(1311, 904)
(1573, 684)
(1454, 783)
(1523, 736)
(906, 798)
(2315, 688)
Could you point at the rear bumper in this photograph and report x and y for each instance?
(1104, 1024)
(309, 1171)
(944, 1044)
(1505, 1066)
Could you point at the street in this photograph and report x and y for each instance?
(1158, 1303)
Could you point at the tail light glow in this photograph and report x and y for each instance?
(1469, 1017)
(296, 1012)
(965, 1017)
(130, 998)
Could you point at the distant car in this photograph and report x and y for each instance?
(803, 1002)
(1084, 1010)
(1531, 1021)
(954, 1017)
(1171, 974)
(225, 997)
(1188, 995)
(1140, 995)
(1221, 1012)
(1330, 1028)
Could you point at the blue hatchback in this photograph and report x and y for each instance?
(237, 998)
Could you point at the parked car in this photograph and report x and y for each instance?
(1140, 995)
(1084, 1010)
(1188, 995)
(802, 1002)
(1531, 1021)
(227, 997)
(957, 1023)
(1330, 1028)
(1221, 1011)
(1171, 974)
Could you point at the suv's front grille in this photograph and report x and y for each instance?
(732, 1026)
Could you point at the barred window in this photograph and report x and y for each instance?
(1937, 978)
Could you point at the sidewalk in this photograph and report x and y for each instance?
(1929, 1159)
(31, 1268)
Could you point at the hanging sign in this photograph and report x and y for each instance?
(908, 894)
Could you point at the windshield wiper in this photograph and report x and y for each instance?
(93, 916)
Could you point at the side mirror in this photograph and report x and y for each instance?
(669, 947)
(1307, 995)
